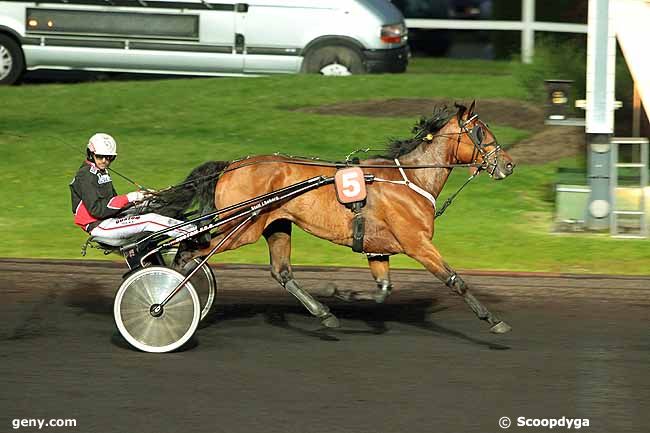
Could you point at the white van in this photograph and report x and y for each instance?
(201, 37)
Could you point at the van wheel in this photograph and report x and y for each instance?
(12, 63)
(334, 60)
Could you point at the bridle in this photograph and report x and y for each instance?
(477, 134)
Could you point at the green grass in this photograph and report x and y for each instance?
(439, 65)
(165, 128)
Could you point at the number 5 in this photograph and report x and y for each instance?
(351, 184)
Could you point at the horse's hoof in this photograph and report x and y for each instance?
(501, 328)
(330, 321)
(380, 297)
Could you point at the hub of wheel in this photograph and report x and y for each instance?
(156, 310)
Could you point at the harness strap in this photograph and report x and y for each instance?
(358, 229)
(407, 182)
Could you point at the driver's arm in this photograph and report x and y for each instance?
(99, 205)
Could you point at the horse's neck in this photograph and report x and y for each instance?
(430, 179)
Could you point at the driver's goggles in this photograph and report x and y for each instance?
(106, 157)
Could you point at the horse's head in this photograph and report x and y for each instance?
(476, 144)
(466, 140)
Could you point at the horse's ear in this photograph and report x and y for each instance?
(471, 109)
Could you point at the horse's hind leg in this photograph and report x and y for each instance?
(278, 237)
(379, 267)
(429, 256)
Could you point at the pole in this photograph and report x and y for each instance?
(528, 32)
(601, 59)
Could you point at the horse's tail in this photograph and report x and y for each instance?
(197, 190)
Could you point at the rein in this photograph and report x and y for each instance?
(112, 170)
(316, 162)
(451, 198)
(406, 182)
(320, 164)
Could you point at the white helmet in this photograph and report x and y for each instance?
(102, 144)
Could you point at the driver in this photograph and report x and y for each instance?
(95, 204)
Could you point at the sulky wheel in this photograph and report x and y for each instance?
(204, 281)
(139, 322)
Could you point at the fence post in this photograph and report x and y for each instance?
(528, 32)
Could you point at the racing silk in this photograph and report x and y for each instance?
(93, 196)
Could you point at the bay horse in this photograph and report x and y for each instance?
(399, 217)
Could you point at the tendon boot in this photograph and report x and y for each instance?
(384, 287)
(317, 309)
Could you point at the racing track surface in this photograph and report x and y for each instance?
(580, 348)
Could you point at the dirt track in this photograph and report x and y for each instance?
(580, 348)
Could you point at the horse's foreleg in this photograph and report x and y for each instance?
(429, 256)
(379, 267)
(278, 237)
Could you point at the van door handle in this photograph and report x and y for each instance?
(240, 41)
(241, 7)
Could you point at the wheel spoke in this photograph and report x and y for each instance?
(180, 301)
(139, 296)
(174, 328)
(133, 319)
(149, 329)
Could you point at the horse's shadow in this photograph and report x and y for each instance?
(376, 317)
(419, 314)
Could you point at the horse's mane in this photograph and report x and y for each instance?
(440, 117)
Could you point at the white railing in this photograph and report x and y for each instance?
(527, 26)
